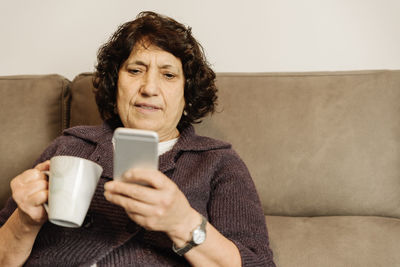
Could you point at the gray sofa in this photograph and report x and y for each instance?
(323, 149)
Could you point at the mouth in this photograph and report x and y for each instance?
(147, 107)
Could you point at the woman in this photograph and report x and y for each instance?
(201, 207)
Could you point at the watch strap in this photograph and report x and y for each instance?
(181, 251)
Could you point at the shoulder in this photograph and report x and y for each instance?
(77, 141)
(79, 135)
(190, 141)
(94, 134)
(220, 155)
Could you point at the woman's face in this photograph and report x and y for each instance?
(151, 91)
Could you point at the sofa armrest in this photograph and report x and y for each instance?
(34, 110)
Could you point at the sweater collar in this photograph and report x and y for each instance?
(188, 141)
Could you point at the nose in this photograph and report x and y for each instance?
(150, 85)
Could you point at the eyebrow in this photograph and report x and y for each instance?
(141, 63)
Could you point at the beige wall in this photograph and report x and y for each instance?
(54, 36)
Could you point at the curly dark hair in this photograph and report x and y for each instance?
(200, 92)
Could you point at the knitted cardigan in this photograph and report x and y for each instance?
(211, 175)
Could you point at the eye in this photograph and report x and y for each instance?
(134, 71)
(169, 75)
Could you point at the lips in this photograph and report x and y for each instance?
(147, 106)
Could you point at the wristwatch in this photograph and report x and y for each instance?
(198, 237)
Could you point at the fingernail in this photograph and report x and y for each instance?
(128, 174)
(108, 186)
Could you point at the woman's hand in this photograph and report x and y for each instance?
(160, 206)
(30, 192)
(18, 234)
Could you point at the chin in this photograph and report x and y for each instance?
(144, 126)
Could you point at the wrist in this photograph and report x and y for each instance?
(16, 240)
(183, 232)
(22, 226)
(198, 237)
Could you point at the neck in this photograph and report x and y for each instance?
(172, 135)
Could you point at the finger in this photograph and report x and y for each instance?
(33, 204)
(22, 181)
(31, 175)
(23, 193)
(139, 192)
(130, 205)
(38, 198)
(44, 166)
(153, 178)
(142, 221)
(36, 186)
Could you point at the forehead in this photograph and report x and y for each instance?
(145, 51)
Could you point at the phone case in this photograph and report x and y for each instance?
(134, 148)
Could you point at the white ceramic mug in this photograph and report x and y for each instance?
(72, 183)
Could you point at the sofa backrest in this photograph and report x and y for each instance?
(33, 113)
(324, 143)
(316, 144)
(83, 105)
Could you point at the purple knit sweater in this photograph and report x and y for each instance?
(210, 174)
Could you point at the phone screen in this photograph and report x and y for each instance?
(134, 149)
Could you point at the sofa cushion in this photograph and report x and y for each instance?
(324, 143)
(334, 241)
(33, 113)
(83, 105)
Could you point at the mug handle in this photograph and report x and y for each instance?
(45, 205)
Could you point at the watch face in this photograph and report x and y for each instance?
(198, 236)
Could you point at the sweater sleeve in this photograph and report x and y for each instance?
(235, 210)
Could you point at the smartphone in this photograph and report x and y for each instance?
(134, 148)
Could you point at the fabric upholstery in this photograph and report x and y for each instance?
(353, 241)
(316, 144)
(33, 113)
(83, 105)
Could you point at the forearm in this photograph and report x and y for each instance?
(16, 240)
(216, 250)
